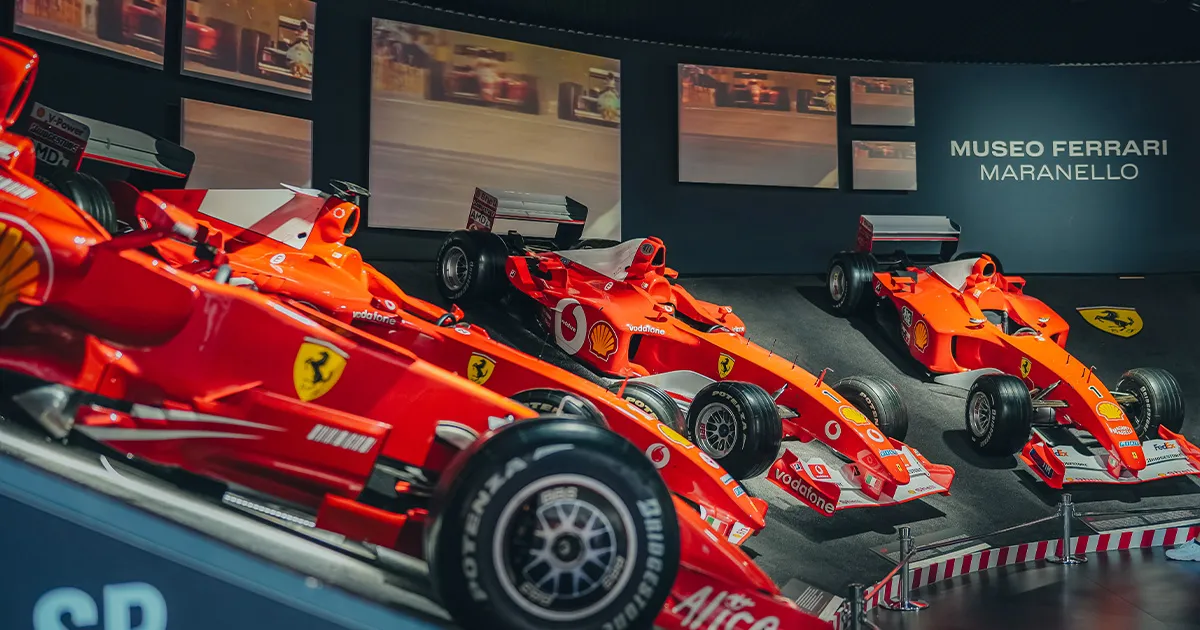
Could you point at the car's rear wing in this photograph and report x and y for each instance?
(491, 205)
(939, 234)
(760, 76)
(160, 163)
(601, 73)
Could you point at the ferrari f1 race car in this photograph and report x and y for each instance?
(977, 329)
(540, 522)
(291, 243)
(751, 90)
(616, 309)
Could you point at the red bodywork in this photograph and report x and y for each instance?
(160, 355)
(944, 326)
(637, 321)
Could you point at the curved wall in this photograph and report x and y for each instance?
(1043, 224)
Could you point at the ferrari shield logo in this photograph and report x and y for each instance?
(724, 365)
(318, 366)
(1026, 366)
(1114, 320)
(480, 367)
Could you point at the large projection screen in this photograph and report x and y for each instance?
(243, 148)
(453, 111)
(264, 44)
(761, 127)
(125, 29)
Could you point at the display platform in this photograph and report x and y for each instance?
(1136, 588)
(91, 536)
(791, 315)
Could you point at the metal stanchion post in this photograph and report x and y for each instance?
(904, 603)
(857, 608)
(1066, 509)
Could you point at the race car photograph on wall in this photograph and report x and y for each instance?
(478, 76)
(972, 327)
(291, 243)
(616, 309)
(598, 102)
(539, 520)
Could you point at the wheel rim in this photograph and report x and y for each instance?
(979, 413)
(555, 556)
(837, 283)
(716, 430)
(455, 270)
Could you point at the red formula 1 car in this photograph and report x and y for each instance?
(750, 90)
(291, 243)
(975, 328)
(542, 523)
(617, 310)
(478, 77)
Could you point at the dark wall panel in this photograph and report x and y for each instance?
(1141, 225)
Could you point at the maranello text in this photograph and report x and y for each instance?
(1053, 159)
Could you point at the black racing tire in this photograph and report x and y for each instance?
(783, 102)
(470, 267)
(89, 194)
(568, 95)
(557, 402)
(879, 401)
(653, 401)
(849, 282)
(533, 101)
(721, 96)
(738, 425)
(595, 243)
(995, 259)
(490, 505)
(802, 98)
(1159, 401)
(999, 414)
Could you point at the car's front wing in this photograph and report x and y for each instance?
(1057, 465)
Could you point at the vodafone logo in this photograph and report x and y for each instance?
(569, 325)
(833, 429)
(659, 455)
(819, 472)
(708, 460)
(875, 435)
(803, 491)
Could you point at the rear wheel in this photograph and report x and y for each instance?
(1159, 401)
(653, 401)
(849, 282)
(736, 424)
(89, 194)
(999, 414)
(879, 401)
(552, 524)
(568, 96)
(470, 267)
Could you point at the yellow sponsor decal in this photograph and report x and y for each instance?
(1026, 366)
(1122, 321)
(317, 368)
(853, 415)
(18, 266)
(921, 336)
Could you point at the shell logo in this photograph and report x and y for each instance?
(853, 415)
(1109, 411)
(602, 341)
(19, 268)
(921, 336)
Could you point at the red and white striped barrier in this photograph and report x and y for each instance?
(939, 569)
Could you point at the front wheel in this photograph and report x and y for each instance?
(652, 401)
(738, 425)
(1159, 401)
(552, 524)
(999, 414)
(878, 401)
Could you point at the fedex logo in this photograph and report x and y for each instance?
(1165, 446)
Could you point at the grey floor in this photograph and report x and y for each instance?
(790, 313)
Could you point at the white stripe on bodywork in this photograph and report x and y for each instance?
(253, 209)
(145, 412)
(119, 434)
